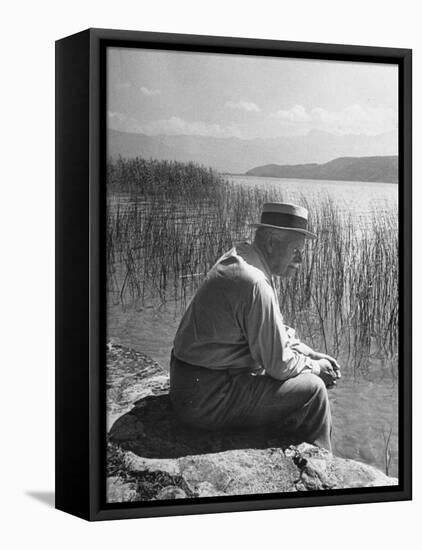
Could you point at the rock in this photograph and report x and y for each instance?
(152, 456)
(319, 469)
(206, 489)
(119, 491)
(170, 492)
(127, 370)
(239, 472)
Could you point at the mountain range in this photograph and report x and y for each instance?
(235, 155)
(381, 169)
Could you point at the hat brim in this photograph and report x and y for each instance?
(307, 234)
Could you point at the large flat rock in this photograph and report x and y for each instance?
(153, 456)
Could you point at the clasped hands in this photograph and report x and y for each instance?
(330, 369)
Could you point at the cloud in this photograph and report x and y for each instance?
(148, 92)
(242, 106)
(354, 119)
(122, 122)
(172, 126)
(295, 114)
(176, 125)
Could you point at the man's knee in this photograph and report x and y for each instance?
(312, 387)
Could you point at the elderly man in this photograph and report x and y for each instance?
(234, 362)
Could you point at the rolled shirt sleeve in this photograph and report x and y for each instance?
(269, 342)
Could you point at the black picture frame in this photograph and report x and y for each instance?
(80, 271)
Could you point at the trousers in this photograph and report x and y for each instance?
(220, 399)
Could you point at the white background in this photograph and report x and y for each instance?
(29, 30)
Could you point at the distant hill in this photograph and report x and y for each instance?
(237, 155)
(381, 169)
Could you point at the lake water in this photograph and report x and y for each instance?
(359, 198)
(365, 410)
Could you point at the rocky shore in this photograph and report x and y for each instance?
(151, 456)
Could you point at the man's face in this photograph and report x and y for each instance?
(284, 253)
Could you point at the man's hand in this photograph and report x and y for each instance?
(318, 356)
(328, 373)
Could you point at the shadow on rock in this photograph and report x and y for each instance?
(151, 430)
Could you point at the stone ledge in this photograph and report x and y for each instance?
(151, 456)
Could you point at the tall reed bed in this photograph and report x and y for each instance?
(345, 297)
(162, 178)
(168, 222)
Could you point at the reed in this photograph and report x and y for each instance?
(168, 222)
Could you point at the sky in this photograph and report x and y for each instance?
(183, 93)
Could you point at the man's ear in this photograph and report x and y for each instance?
(269, 243)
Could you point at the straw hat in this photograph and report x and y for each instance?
(289, 217)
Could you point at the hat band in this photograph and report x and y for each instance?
(284, 220)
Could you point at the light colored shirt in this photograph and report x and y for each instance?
(234, 321)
